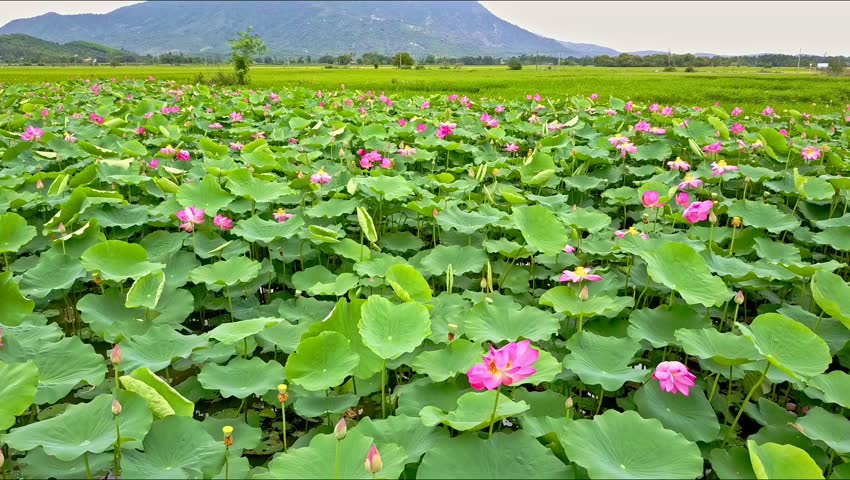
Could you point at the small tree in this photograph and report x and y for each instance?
(403, 58)
(243, 49)
(514, 64)
(836, 66)
(344, 59)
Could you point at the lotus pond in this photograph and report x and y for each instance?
(210, 283)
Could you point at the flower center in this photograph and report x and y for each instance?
(689, 177)
(632, 230)
(580, 272)
(721, 163)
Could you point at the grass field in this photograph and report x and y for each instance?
(750, 88)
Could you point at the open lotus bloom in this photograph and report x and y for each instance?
(505, 366)
(674, 377)
(190, 216)
(578, 275)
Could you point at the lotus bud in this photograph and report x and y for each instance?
(713, 194)
(2, 458)
(471, 173)
(583, 295)
(39, 184)
(712, 218)
(228, 435)
(739, 297)
(116, 357)
(435, 213)
(569, 403)
(341, 429)
(373, 461)
(483, 283)
(791, 407)
(61, 228)
(282, 396)
(452, 332)
(736, 222)
(645, 218)
(495, 171)
(116, 408)
(575, 207)
(96, 278)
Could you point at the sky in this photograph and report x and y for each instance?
(730, 27)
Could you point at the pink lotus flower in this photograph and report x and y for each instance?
(631, 231)
(500, 109)
(223, 222)
(425, 105)
(658, 131)
(96, 118)
(168, 151)
(44, 113)
(387, 163)
(673, 377)
(348, 102)
(446, 129)
(235, 117)
(32, 134)
(679, 164)
(407, 151)
(736, 111)
(617, 139)
(154, 163)
(537, 97)
(321, 177)
(698, 211)
(654, 108)
(373, 461)
(190, 216)
(683, 199)
(690, 182)
(578, 275)
(569, 249)
(667, 111)
(281, 216)
(716, 147)
(512, 148)
(505, 366)
(641, 126)
(625, 148)
(737, 129)
(183, 156)
(421, 127)
(650, 200)
(148, 115)
(293, 141)
(811, 153)
(215, 126)
(70, 138)
(630, 106)
(402, 122)
(236, 146)
(783, 132)
(768, 111)
(169, 110)
(719, 168)
(274, 97)
(594, 96)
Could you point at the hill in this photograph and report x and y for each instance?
(451, 28)
(15, 47)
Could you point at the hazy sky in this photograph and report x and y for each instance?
(731, 27)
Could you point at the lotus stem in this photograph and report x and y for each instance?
(599, 405)
(745, 403)
(714, 386)
(229, 301)
(226, 463)
(493, 415)
(86, 462)
(336, 466)
(117, 456)
(384, 390)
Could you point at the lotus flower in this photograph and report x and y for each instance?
(446, 129)
(421, 127)
(679, 164)
(690, 182)
(641, 126)
(281, 216)
(650, 200)
(373, 461)
(569, 249)
(183, 156)
(32, 134)
(505, 366)
(321, 177)
(223, 222)
(698, 211)
(720, 167)
(631, 231)
(190, 216)
(736, 111)
(617, 140)
(683, 199)
(737, 129)
(627, 147)
(578, 275)
(715, 147)
(674, 377)
(512, 148)
(811, 153)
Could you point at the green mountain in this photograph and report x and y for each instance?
(15, 47)
(450, 28)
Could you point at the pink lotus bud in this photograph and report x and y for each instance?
(116, 408)
(116, 357)
(739, 297)
(373, 461)
(61, 228)
(583, 295)
(39, 184)
(341, 429)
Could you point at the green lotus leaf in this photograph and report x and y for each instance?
(692, 416)
(829, 428)
(17, 393)
(771, 460)
(14, 232)
(146, 291)
(624, 445)
(408, 284)
(462, 260)
(473, 411)
(788, 345)
(409, 433)
(467, 222)
(658, 325)
(85, 428)
(256, 229)
(206, 195)
(65, 364)
(233, 332)
(121, 216)
(777, 251)
(244, 436)
(762, 215)
(540, 228)
(321, 362)
(832, 294)
(835, 386)
(680, 268)
(586, 219)
(117, 260)
(317, 459)
(162, 399)
(835, 237)
(54, 271)
(332, 208)
(458, 357)
(175, 447)
(566, 300)
(496, 323)
(38, 464)
(391, 330)
(345, 319)
(732, 463)
(723, 348)
(603, 361)
(157, 348)
(242, 183)
(15, 306)
(227, 272)
(422, 392)
(241, 378)
(317, 406)
(508, 456)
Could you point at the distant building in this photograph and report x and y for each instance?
(822, 66)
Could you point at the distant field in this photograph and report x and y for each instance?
(750, 88)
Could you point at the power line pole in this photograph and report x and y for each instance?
(799, 56)
(536, 58)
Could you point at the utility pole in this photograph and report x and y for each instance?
(559, 59)
(799, 56)
(669, 57)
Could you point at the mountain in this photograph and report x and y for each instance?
(646, 53)
(17, 46)
(588, 49)
(450, 28)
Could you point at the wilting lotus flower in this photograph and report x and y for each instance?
(425, 105)
(578, 275)
(617, 140)
(673, 377)
(627, 147)
(679, 164)
(70, 138)
(223, 222)
(32, 134)
(650, 200)
(683, 199)
(168, 151)
(569, 249)
(406, 151)
(236, 146)
(658, 131)
(281, 216)
(190, 216)
(715, 147)
(505, 366)
(631, 231)
(720, 167)
(690, 182)
(811, 153)
(512, 148)
(446, 129)
(641, 126)
(698, 211)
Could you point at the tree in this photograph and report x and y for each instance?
(344, 59)
(514, 64)
(243, 49)
(403, 58)
(836, 66)
(326, 59)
